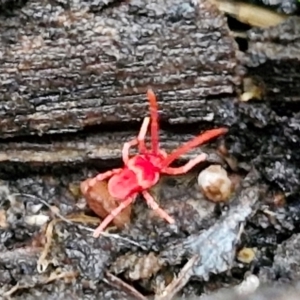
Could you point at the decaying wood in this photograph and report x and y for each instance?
(78, 149)
(274, 56)
(68, 64)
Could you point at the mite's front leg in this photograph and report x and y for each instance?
(111, 216)
(152, 204)
(88, 184)
(103, 176)
(140, 141)
(187, 167)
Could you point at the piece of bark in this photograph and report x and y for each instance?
(80, 149)
(66, 65)
(283, 6)
(269, 128)
(274, 56)
(261, 132)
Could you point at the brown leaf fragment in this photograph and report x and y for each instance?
(102, 203)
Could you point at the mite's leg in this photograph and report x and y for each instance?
(111, 216)
(142, 134)
(100, 177)
(140, 141)
(152, 204)
(103, 176)
(195, 142)
(154, 121)
(187, 167)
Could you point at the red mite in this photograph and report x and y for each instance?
(142, 171)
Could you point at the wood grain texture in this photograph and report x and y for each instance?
(73, 65)
(66, 65)
(82, 148)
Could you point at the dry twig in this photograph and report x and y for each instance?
(179, 282)
(115, 281)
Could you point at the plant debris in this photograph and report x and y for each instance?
(102, 203)
(216, 246)
(146, 256)
(29, 282)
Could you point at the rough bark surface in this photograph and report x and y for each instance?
(71, 65)
(66, 65)
(272, 124)
(83, 67)
(274, 56)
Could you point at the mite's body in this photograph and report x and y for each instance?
(142, 171)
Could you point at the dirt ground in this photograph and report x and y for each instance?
(47, 248)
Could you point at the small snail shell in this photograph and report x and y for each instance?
(215, 183)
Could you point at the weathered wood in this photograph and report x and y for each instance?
(274, 55)
(79, 66)
(84, 148)
(69, 64)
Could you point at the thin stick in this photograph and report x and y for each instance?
(113, 281)
(178, 283)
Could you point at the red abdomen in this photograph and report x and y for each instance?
(138, 175)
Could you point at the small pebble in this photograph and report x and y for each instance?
(36, 220)
(248, 286)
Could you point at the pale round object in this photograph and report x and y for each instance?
(215, 183)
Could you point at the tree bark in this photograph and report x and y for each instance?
(83, 148)
(67, 67)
